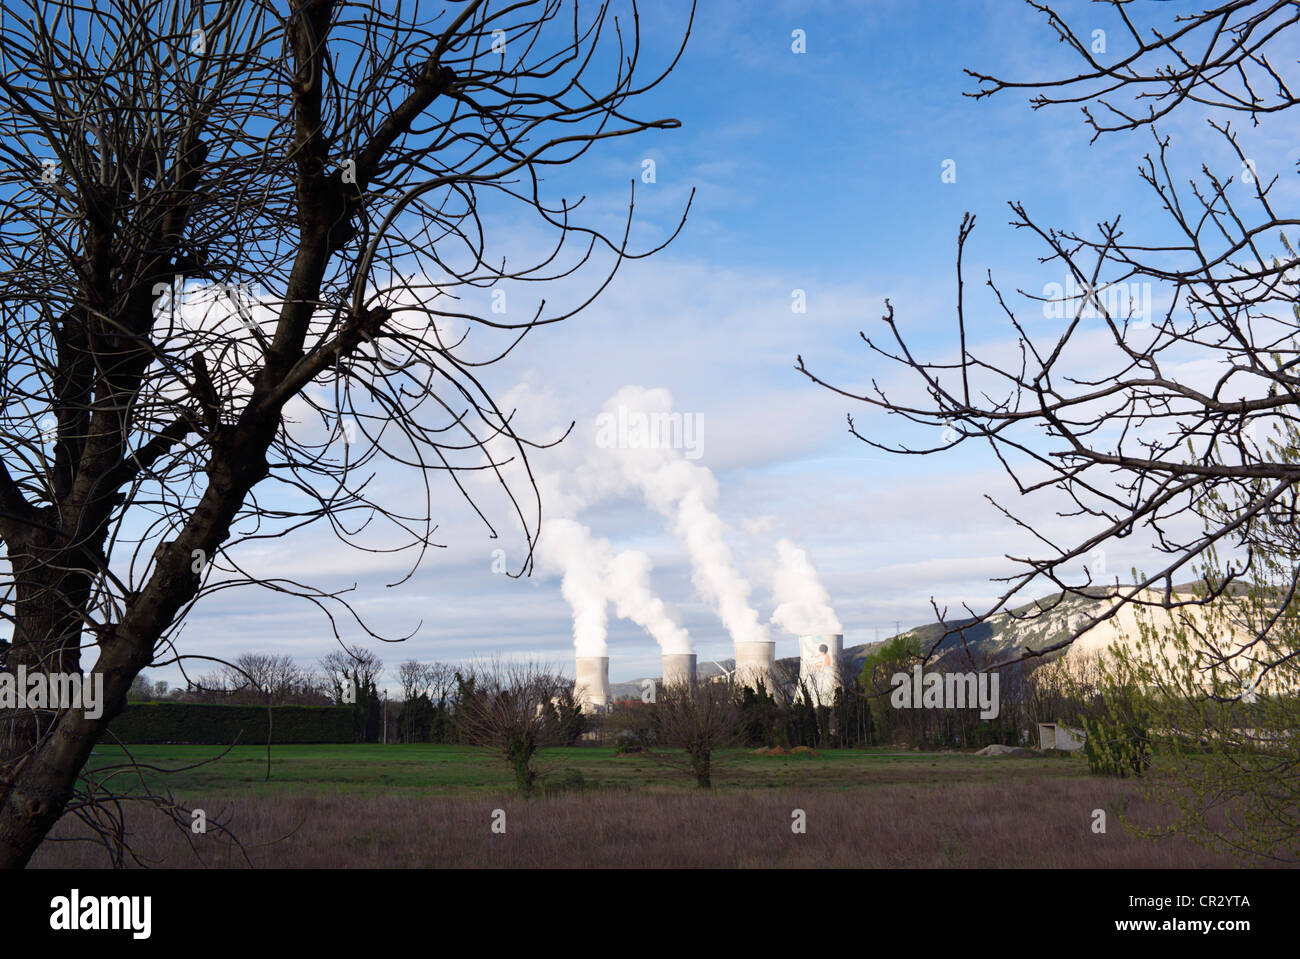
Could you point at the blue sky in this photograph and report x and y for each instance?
(819, 171)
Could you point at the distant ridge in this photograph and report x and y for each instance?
(1002, 636)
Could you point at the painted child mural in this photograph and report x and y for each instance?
(819, 666)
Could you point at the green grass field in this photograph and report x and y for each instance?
(465, 770)
(437, 806)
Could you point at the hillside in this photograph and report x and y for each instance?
(1006, 634)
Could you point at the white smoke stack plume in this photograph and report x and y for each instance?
(567, 546)
(594, 577)
(684, 494)
(627, 581)
(803, 606)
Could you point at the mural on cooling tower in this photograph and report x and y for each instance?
(819, 658)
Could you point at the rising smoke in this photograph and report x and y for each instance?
(568, 547)
(594, 576)
(628, 581)
(634, 457)
(803, 605)
(684, 493)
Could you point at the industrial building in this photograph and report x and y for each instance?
(819, 670)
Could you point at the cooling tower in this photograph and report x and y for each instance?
(754, 662)
(679, 668)
(819, 666)
(592, 686)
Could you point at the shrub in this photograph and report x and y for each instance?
(571, 780)
(1116, 748)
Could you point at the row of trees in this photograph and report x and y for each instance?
(343, 677)
(431, 695)
(861, 714)
(437, 702)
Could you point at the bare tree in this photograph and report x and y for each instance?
(353, 668)
(1128, 441)
(412, 677)
(431, 680)
(274, 679)
(209, 687)
(440, 681)
(513, 712)
(243, 253)
(698, 719)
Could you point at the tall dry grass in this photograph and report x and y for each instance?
(968, 825)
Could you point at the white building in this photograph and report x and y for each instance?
(1060, 736)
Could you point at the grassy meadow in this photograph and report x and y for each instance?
(461, 770)
(428, 806)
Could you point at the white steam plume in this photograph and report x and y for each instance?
(567, 546)
(803, 604)
(628, 582)
(594, 577)
(684, 493)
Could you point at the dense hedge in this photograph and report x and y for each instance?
(204, 723)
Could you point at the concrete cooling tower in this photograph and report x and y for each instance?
(754, 663)
(592, 686)
(819, 666)
(679, 668)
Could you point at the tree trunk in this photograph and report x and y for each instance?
(32, 803)
(700, 762)
(39, 764)
(51, 593)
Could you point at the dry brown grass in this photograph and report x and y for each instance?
(967, 825)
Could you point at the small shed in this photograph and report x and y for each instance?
(1060, 736)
